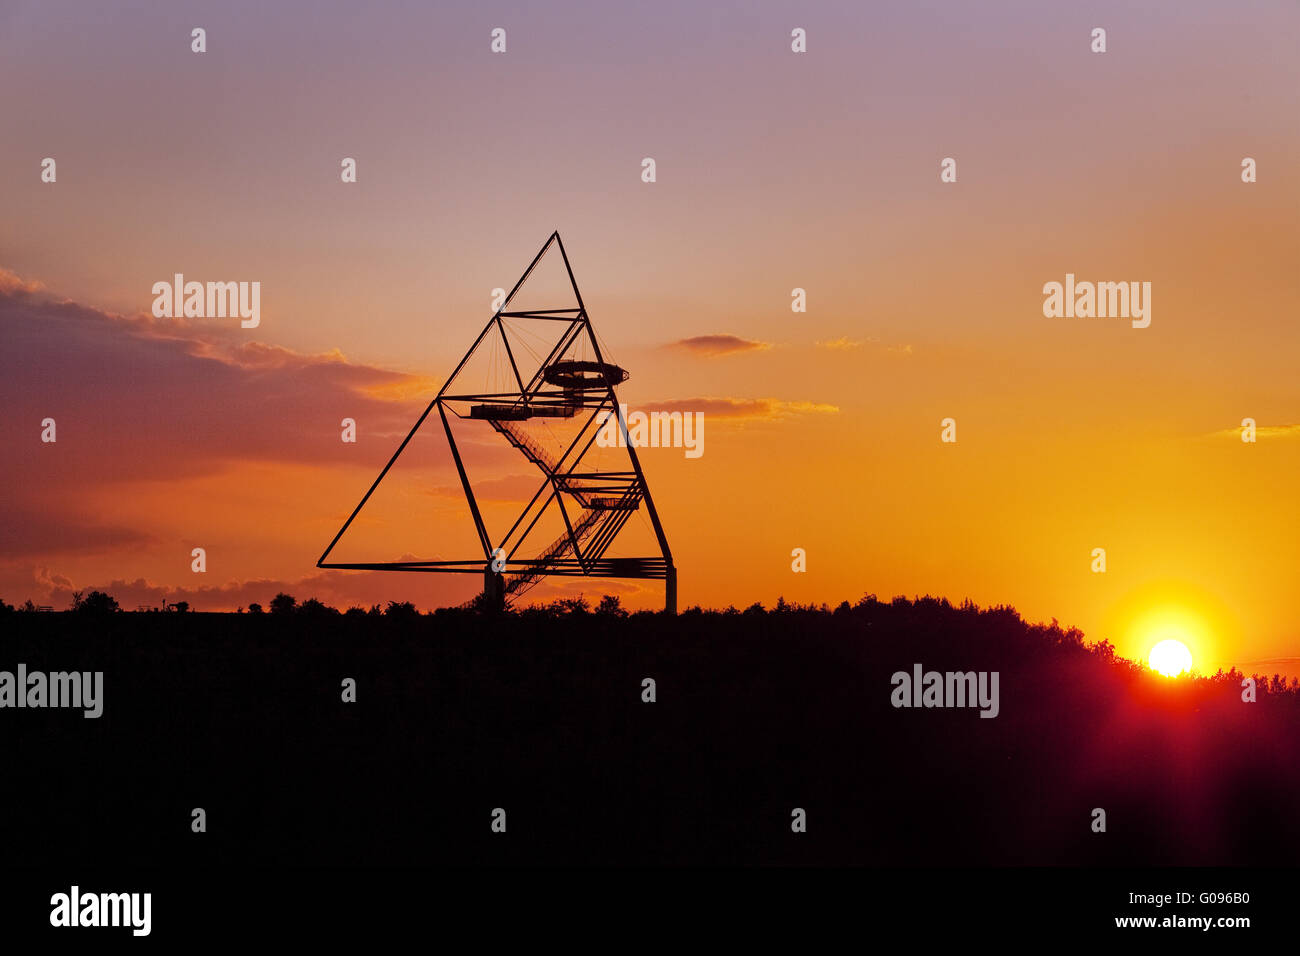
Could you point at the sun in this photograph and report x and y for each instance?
(1170, 658)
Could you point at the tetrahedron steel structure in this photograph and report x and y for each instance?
(551, 377)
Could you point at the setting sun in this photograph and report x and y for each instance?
(1196, 621)
(1170, 658)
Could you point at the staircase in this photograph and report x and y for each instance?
(539, 457)
(517, 584)
(600, 520)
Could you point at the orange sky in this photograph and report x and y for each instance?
(774, 171)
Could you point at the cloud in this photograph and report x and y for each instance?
(846, 344)
(11, 284)
(340, 589)
(1261, 431)
(768, 409)
(62, 530)
(842, 344)
(134, 396)
(720, 344)
(145, 403)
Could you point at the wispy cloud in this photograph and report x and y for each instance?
(743, 408)
(720, 344)
(842, 344)
(1261, 431)
(846, 344)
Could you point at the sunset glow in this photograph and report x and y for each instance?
(924, 302)
(1170, 658)
(701, 439)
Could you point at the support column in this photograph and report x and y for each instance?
(494, 590)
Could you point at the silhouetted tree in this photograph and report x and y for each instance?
(283, 604)
(254, 608)
(316, 608)
(483, 604)
(96, 602)
(182, 606)
(610, 606)
(405, 610)
(577, 605)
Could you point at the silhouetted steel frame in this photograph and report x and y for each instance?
(646, 567)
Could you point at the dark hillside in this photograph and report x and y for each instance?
(540, 713)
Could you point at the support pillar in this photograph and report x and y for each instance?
(494, 590)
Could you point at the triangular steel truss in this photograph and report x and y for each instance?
(594, 504)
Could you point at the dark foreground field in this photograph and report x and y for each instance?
(542, 715)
